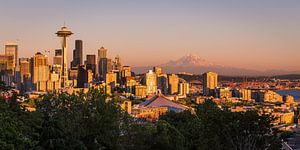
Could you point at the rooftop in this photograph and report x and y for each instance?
(161, 101)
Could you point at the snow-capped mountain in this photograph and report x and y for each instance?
(189, 60)
(195, 64)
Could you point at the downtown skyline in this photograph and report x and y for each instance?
(143, 75)
(250, 35)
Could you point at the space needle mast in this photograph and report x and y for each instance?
(64, 33)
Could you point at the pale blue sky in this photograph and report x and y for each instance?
(256, 34)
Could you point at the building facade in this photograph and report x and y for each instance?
(77, 54)
(210, 82)
(151, 83)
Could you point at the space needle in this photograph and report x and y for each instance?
(64, 33)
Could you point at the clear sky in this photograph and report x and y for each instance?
(255, 34)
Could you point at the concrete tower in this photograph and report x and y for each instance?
(64, 33)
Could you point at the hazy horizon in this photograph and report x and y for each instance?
(260, 35)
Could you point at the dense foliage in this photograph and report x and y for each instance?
(88, 121)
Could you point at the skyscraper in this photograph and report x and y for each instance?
(117, 63)
(84, 77)
(111, 79)
(173, 84)
(64, 33)
(12, 49)
(109, 65)
(24, 69)
(57, 61)
(162, 83)
(77, 54)
(102, 53)
(126, 71)
(102, 68)
(151, 83)
(7, 63)
(102, 63)
(6, 68)
(91, 63)
(210, 82)
(40, 71)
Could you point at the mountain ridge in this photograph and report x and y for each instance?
(194, 64)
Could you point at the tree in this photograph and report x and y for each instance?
(18, 128)
(84, 121)
(4, 87)
(91, 121)
(212, 128)
(167, 137)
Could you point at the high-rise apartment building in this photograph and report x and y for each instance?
(151, 83)
(210, 82)
(77, 54)
(173, 84)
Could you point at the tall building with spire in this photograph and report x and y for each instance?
(64, 33)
